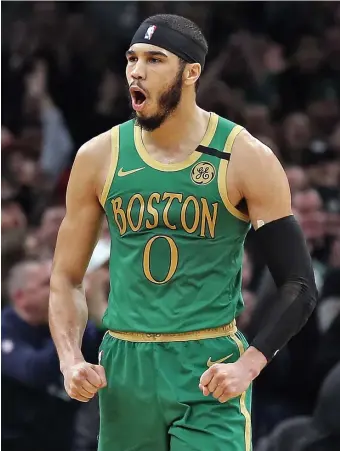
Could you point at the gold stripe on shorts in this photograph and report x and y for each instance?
(243, 407)
(222, 331)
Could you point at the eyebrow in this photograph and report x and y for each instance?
(149, 53)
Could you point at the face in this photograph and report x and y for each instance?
(297, 179)
(296, 130)
(31, 299)
(309, 207)
(12, 217)
(50, 225)
(155, 80)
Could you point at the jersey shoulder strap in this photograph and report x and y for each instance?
(224, 137)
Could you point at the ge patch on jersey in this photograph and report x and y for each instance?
(203, 173)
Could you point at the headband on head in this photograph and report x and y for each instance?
(172, 40)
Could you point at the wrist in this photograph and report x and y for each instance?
(254, 361)
(70, 361)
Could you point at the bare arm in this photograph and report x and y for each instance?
(77, 236)
(256, 175)
(261, 180)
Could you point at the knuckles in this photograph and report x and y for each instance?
(221, 379)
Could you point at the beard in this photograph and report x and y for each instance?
(167, 104)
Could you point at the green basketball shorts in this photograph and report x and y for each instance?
(152, 401)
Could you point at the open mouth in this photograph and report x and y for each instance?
(138, 97)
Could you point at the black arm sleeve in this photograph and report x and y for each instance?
(283, 246)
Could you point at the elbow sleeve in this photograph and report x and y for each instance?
(283, 246)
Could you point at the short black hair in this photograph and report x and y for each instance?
(185, 26)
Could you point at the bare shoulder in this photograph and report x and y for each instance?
(253, 158)
(92, 161)
(260, 179)
(94, 150)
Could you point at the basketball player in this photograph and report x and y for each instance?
(180, 188)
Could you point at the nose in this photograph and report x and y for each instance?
(138, 72)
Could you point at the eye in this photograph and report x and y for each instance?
(154, 60)
(132, 59)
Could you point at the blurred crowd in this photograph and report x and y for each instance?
(273, 67)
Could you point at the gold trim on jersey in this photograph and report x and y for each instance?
(113, 164)
(222, 176)
(222, 331)
(193, 157)
(243, 407)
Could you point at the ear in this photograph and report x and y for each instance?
(192, 73)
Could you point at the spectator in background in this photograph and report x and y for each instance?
(319, 432)
(297, 178)
(39, 415)
(48, 231)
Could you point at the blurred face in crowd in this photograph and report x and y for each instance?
(24, 170)
(257, 119)
(309, 208)
(12, 217)
(8, 191)
(324, 113)
(156, 78)
(325, 173)
(297, 178)
(6, 137)
(29, 290)
(296, 131)
(50, 225)
(308, 55)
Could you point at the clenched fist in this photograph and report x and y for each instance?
(83, 380)
(225, 380)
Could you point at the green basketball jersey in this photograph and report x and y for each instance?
(176, 240)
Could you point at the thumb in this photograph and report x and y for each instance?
(99, 369)
(206, 377)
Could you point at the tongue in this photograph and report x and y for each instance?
(137, 104)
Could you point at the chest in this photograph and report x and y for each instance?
(144, 198)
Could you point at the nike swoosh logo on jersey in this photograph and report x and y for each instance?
(211, 363)
(122, 173)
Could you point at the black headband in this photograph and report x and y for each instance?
(172, 40)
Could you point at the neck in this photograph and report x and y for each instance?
(187, 123)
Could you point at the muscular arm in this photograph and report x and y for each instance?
(260, 179)
(77, 236)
